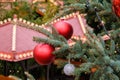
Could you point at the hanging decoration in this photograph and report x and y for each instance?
(65, 29)
(94, 69)
(43, 54)
(69, 69)
(116, 7)
(2, 77)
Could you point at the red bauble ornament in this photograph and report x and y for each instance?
(43, 54)
(64, 29)
(116, 7)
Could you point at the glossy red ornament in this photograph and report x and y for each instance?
(65, 29)
(116, 7)
(43, 54)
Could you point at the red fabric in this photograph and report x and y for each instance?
(24, 41)
(6, 38)
(24, 38)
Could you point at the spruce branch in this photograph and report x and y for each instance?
(62, 50)
(55, 43)
(38, 29)
(83, 68)
(56, 35)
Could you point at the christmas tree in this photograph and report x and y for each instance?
(99, 58)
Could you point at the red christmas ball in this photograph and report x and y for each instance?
(116, 7)
(43, 54)
(65, 29)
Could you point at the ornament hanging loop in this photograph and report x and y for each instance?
(48, 71)
(69, 56)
